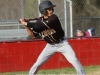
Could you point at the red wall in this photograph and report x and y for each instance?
(21, 55)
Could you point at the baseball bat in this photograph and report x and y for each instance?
(28, 20)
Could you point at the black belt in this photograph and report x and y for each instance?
(58, 41)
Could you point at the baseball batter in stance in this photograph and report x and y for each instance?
(49, 27)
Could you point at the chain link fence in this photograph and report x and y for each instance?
(85, 14)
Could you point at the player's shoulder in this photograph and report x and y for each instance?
(39, 20)
(54, 15)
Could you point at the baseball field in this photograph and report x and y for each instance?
(90, 70)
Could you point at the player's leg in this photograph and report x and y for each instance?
(47, 52)
(69, 54)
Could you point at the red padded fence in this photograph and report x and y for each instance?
(21, 55)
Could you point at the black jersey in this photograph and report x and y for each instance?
(50, 28)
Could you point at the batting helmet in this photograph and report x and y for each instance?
(44, 5)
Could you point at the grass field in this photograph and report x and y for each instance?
(90, 70)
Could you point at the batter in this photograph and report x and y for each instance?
(49, 27)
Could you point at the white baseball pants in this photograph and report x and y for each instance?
(62, 47)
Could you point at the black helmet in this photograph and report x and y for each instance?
(44, 5)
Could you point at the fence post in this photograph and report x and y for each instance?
(71, 25)
(70, 16)
(38, 7)
(22, 10)
(65, 13)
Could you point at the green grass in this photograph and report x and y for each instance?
(90, 70)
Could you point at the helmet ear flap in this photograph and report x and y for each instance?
(53, 9)
(44, 12)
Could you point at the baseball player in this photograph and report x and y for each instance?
(49, 27)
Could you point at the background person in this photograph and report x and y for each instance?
(90, 32)
(80, 34)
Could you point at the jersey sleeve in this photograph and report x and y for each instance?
(52, 21)
(30, 24)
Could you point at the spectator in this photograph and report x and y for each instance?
(80, 34)
(90, 32)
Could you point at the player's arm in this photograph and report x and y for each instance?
(24, 23)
